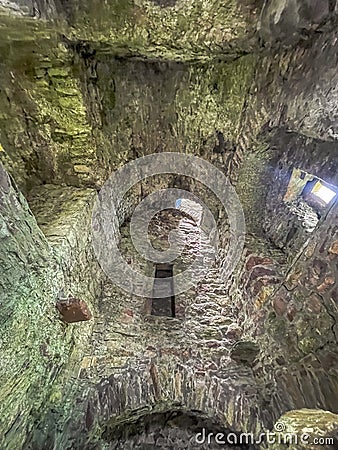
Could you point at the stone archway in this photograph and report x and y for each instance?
(174, 429)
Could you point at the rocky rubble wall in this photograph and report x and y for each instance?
(39, 352)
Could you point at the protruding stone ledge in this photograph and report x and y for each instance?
(73, 310)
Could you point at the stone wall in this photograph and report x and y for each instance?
(61, 127)
(140, 107)
(44, 131)
(182, 30)
(176, 30)
(238, 354)
(289, 306)
(288, 21)
(36, 346)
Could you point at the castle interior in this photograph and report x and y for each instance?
(88, 88)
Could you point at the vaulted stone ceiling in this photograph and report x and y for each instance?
(86, 87)
(175, 30)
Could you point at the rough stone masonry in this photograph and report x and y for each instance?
(88, 86)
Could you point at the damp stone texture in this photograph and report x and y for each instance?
(87, 87)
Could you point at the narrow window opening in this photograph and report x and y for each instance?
(323, 192)
(308, 197)
(163, 298)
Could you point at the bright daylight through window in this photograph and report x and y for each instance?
(323, 192)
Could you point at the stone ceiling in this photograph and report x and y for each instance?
(178, 30)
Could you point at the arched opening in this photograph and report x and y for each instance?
(175, 429)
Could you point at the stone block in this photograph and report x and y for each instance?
(73, 310)
(327, 283)
(244, 352)
(255, 260)
(334, 248)
(127, 316)
(280, 305)
(313, 423)
(4, 180)
(291, 312)
(314, 304)
(284, 20)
